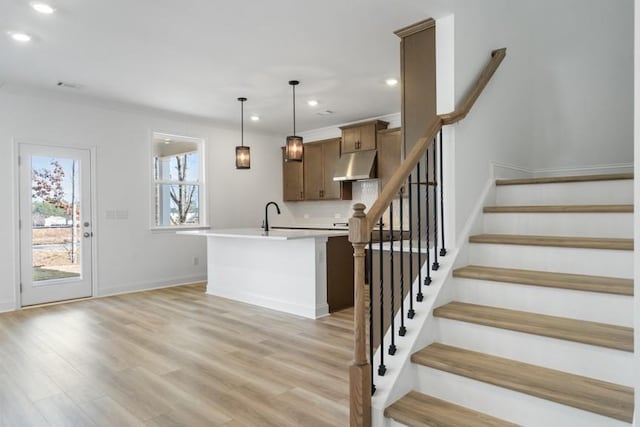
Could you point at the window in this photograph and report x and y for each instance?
(178, 184)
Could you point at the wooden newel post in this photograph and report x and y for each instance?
(360, 371)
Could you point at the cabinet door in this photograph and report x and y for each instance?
(389, 154)
(292, 180)
(313, 172)
(350, 139)
(339, 273)
(331, 154)
(367, 137)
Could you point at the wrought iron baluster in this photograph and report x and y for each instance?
(443, 251)
(427, 279)
(392, 347)
(420, 296)
(381, 368)
(403, 330)
(370, 271)
(411, 313)
(435, 265)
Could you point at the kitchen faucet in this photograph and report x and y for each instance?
(265, 224)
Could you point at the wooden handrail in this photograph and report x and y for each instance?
(400, 176)
(463, 109)
(360, 226)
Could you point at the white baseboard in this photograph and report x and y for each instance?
(585, 170)
(507, 171)
(308, 311)
(7, 305)
(147, 286)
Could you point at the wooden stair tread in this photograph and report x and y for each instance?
(579, 282)
(419, 410)
(582, 331)
(600, 397)
(558, 241)
(560, 209)
(561, 179)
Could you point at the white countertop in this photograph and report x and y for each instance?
(273, 234)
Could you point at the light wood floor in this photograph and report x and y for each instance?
(172, 357)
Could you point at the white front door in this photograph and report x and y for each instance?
(55, 224)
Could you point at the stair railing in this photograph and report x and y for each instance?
(404, 187)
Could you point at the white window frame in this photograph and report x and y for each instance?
(201, 183)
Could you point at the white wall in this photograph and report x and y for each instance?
(583, 102)
(561, 99)
(129, 255)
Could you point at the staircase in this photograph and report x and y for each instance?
(539, 329)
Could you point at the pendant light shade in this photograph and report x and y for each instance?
(293, 148)
(243, 154)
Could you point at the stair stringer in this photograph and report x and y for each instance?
(422, 330)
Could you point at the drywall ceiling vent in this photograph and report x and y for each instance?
(69, 85)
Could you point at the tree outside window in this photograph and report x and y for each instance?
(177, 171)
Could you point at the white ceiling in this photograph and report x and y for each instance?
(197, 56)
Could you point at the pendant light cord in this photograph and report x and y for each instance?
(294, 110)
(242, 123)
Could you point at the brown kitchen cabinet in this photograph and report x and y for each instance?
(361, 136)
(339, 273)
(389, 154)
(292, 180)
(320, 160)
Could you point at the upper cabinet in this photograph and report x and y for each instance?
(320, 160)
(361, 136)
(292, 180)
(389, 154)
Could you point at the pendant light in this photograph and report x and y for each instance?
(293, 149)
(243, 154)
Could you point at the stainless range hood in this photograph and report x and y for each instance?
(355, 166)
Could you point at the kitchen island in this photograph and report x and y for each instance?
(296, 271)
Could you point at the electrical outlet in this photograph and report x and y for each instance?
(196, 260)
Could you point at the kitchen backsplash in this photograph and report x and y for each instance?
(327, 213)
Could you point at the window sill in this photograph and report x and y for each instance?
(174, 228)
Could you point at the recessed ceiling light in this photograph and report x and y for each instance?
(255, 118)
(21, 37)
(391, 81)
(312, 102)
(43, 8)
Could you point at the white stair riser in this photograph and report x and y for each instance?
(597, 192)
(576, 358)
(591, 306)
(598, 262)
(561, 224)
(499, 402)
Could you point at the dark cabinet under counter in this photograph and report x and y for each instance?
(339, 269)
